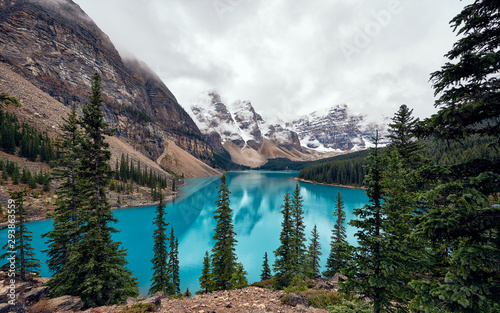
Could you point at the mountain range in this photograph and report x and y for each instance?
(49, 51)
(251, 140)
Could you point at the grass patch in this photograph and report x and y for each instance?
(267, 284)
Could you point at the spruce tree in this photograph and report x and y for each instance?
(368, 274)
(239, 279)
(65, 225)
(286, 258)
(299, 234)
(459, 220)
(95, 270)
(206, 282)
(314, 253)
(173, 264)
(339, 247)
(161, 272)
(266, 270)
(223, 255)
(18, 246)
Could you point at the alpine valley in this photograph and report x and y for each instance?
(49, 51)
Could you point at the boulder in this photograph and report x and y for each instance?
(35, 295)
(8, 308)
(66, 304)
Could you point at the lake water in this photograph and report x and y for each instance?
(256, 198)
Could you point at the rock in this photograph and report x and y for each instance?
(35, 295)
(130, 301)
(66, 304)
(8, 308)
(294, 299)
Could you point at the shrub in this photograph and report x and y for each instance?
(321, 299)
(139, 308)
(268, 283)
(352, 306)
(40, 307)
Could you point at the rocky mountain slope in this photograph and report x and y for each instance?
(251, 140)
(57, 47)
(335, 129)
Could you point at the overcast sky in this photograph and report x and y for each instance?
(288, 57)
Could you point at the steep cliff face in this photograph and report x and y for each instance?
(335, 129)
(57, 47)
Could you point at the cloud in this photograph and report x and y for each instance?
(288, 57)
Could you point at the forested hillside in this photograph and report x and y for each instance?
(350, 169)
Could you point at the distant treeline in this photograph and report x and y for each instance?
(24, 139)
(348, 169)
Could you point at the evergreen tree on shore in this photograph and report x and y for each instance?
(299, 233)
(206, 282)
(266, 270)
(95, 270)
(161, 272)
(65, 225)
(339, 247)
(223, 255)
(314, 253)
(173, 264)
(284, 263)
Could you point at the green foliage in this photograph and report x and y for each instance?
(25, 139)
(187, 293)
(223, 255)
(139, 308)
(69, 200)
(348, 169)
(298, 231)
(321, 299)
(285, 254)
(266, 270)
(206, 278)
(94, 268)
(161, 272)
(239, 279)
(267, 284)
(173, 265)
(314, 253)
(296, 285)
(351, 306)
(340, 250)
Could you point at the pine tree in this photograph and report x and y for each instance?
(339, 247)
(314, 253)
(368, 274)
(18, 248)
(95, 270)
(459, 221)
(161, 272)
(65, 225)
(266, 270)
(173, 264)
(206, 282)
(286, 258)
(402, 136)
(299, 234)
(239, 279)
(223, 255)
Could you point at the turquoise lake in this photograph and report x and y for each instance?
(256, 198)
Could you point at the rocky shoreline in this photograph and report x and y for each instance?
(32, 296)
